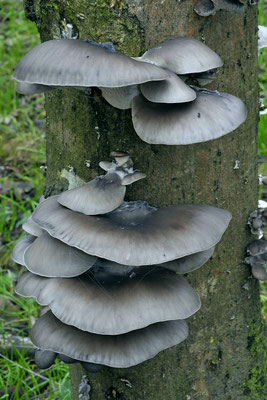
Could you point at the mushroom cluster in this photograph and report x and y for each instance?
(205, 8)
(110, 271)
(257, 249)
(165, 109)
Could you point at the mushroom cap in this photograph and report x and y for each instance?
(31, 88)
(120, 351)
(183, 55)
(99, 196)
(135, 233)
(131, 178)
(190, 263)
(31, 227)
(204, 8)
(257, 247)
(229, 5)
(115, 306)
(210, 116)
(259, 272)
(171, 90)
(20, 248)
(44, 358)
(120, 97)
(50, 257)
(68, 62)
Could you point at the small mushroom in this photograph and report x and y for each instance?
(259, 272)
(118, 305)
(44, 358)
(171, 90)
(50, 257)
(136, 233)
(20, 248)
(257, 247)
(120, 97)
(79, 63)
(229, 5)
(104, 193)
(204, 8)
(183, 55)
(210, 116)
(101, 195)
(257, 221)
(120, 351)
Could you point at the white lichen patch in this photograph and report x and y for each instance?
(74, 180)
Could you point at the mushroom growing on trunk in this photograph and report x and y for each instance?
(112, 280)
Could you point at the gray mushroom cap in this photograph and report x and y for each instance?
(50, 257)
(135, 233)
(190, 263)
(101, 195)
(257, 247)
(44, 358)
(31, 227)
(183, 55)
(20, 248)
(131, 178)
(229, 5)
(120, 351)
(209, 117)
(171, 90)
(204, 8)
(118, 305)
(120, 97)
(32, 88)
(77, 63)
(259, 272)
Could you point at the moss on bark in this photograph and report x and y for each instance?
(217, 362)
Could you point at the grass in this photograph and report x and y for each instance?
(263, 86)
(22, 156)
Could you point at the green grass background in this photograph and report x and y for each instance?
(22, 153)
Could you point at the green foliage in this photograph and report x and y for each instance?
(263, 84)
(256, 385)
(22, 153)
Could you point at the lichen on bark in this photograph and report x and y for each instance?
(215, 362)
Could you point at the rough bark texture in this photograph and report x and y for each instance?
(223, 357)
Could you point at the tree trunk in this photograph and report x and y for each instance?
(222, 359)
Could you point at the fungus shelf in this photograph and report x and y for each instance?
(112, 279)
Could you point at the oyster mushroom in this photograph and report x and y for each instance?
(50, 257)
(182, 55)
(104, 193)
(209, 117)
(81, 63)
(136, 233)
(20, 248)
(119, 351)
(119, 305)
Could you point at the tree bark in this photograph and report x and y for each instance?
(222, 359)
